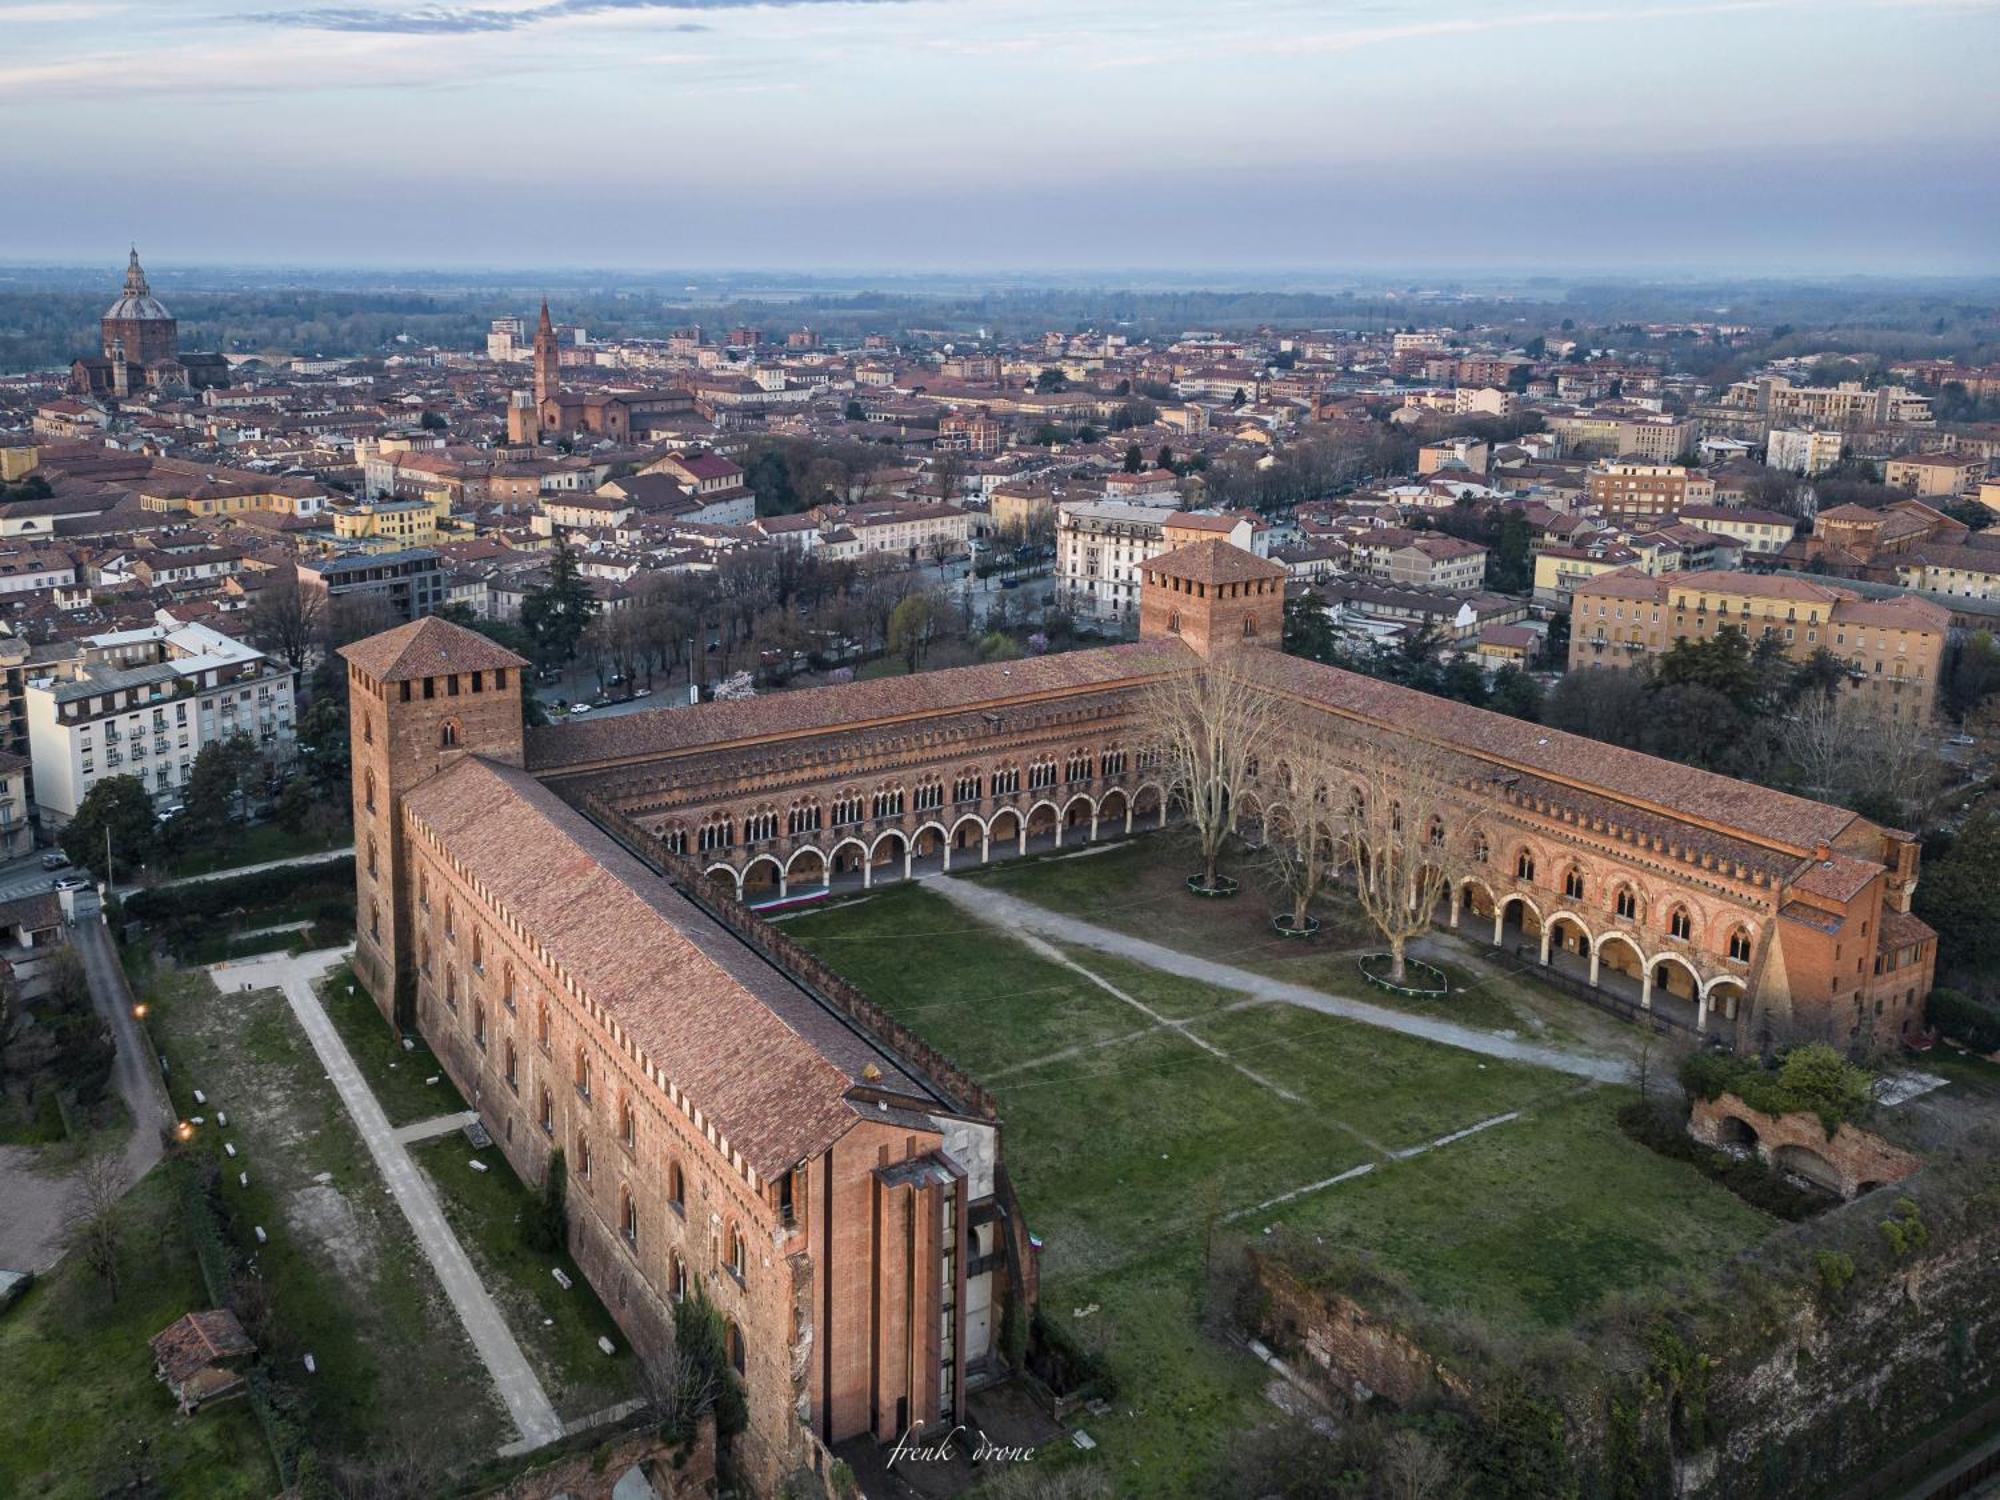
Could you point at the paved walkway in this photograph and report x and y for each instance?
(425, 1130)
(1018, 916)
(38, 1203)
(323, 856)
(526, 1401)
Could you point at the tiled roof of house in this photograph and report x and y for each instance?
(199, 1340)
(429, 647)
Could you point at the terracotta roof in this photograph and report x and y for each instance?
(429, 647)
(1211, 560)
(1664, 787)
(761, 1058)
(199, 1340)
(667, 731)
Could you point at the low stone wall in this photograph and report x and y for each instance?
(594, 1473)
(1332, 1337)
(1857, 1158)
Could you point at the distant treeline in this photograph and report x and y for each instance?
(47, 317)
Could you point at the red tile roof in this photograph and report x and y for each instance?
(762, 1059)
(429, 647)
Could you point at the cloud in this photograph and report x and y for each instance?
(460, 20)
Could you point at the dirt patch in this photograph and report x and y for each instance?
(321, 1214)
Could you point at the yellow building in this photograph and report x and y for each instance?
(387, 525)
(1892, 647)
(17, 459)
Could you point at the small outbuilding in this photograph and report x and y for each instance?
(200, 1358)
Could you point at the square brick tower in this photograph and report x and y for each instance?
(418, 697)
(1215, 596)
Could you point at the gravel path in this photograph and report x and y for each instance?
(1018, 916)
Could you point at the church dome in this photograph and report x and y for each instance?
(138, 302)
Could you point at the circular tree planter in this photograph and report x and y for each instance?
(1281, 923)
(1420, 980)
(1225, 885)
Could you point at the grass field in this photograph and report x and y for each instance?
(1137, 887)
(397, 1076)
(83, 1415)
(1132, 1143)
(344, 1278)
(558, 1329)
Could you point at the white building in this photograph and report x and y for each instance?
(143, 703)
(1803, 452)
(1101, 545)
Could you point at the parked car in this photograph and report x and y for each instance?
(76, 880)
(579, 708)
(55, 859)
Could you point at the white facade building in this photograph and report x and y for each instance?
(1101, 545)
(143, 703)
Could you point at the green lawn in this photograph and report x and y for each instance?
(80, 1412)
(344, 1278)
(396, 1075)
(558, 1329)
(1131, 1144)
(250, 844)
(1138, 886)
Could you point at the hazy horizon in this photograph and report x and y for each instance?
(882, 137)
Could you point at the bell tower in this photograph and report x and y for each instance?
(548, 361)
(418, 697)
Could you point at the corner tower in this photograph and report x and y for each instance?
(418, 697)
(1214, 596)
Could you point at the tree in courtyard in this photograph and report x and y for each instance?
(1402, 829)
(1850, 752)
(1211, 729)
(1302, 845)
(223, 770)
(1135, 459)
(120, 807)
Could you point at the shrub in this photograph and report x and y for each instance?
(1906, 1231)
(1809, 1079)
(1965, 1019)
(1835, 1270)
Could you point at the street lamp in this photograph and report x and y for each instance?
(184, 1131)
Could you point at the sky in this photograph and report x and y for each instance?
(1768, 136)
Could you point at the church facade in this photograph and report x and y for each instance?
(141, 348)
(561, 913)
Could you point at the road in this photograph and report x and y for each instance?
(38, 1204)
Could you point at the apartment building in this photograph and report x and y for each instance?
(1101, 546)
(1635, 489)
(411, 582)
(1892, 647)
(1935, 476)
(1755, 530)
(144, 703)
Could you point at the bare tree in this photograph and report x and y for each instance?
(1404, 824)
(1415, 1468)
(1302, 846)
(96, 1227)
(1211, 729)
(1848, 749)
(285, 619)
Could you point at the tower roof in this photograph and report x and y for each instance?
(137, 301)
(429, 647)
(1211, 560)
(544, 326)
